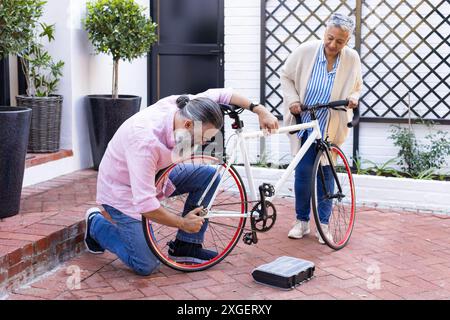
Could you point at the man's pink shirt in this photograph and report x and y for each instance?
(141, 147)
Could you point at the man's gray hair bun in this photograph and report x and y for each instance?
(182, 101)
(204, 110)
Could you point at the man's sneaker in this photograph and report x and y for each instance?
(90, 243)
(186, 252)
(300, 229)
(326, 231)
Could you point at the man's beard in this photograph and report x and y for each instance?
(184, 145)
(184, 138)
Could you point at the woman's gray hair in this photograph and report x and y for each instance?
(341, 21)
(201, 109)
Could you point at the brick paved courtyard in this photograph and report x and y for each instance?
(392, 255)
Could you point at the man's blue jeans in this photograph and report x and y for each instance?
(126, 238)
(302, 186)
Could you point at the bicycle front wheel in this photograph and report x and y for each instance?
(226, 222)
(333, 197)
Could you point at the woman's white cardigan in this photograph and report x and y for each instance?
(294, 80)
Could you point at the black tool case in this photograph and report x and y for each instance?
(284, 272)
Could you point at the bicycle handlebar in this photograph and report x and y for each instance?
(233, 111)
(355, 119)
(330, 105)
(229, 108)
(334, 105)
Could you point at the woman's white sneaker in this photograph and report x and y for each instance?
(300, 229)
(325, 230)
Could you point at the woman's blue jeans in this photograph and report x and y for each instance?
(126, 238)
(302, 187)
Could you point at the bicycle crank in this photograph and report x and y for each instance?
(265, 218)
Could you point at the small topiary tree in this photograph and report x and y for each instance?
(121, 29)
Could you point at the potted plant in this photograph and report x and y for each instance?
(120, 29)
(18, 19)
(42, 76)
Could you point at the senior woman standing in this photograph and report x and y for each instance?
(319, 71)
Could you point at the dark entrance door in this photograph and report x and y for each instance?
(4, 82)
(188, 57)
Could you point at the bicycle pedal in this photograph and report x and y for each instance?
(267, 189)
(249, 238)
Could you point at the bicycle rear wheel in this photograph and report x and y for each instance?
(222, 233)
(336, 200)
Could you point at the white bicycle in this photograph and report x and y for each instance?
(231, 206)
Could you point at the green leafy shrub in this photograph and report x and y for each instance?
(41, 72)
(420, 160)
(18, 19)
(22, 35)
(383, 169)
(358, 165)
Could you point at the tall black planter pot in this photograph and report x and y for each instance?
(14, 131)
(105, 116)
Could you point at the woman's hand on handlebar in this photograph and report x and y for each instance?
(267, 121)
(352, 103)
(295, 108)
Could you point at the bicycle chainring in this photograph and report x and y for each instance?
(263, 224)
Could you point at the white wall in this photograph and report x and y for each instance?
(242, 49)
(13, 81)
(58, 13)
(242, 64)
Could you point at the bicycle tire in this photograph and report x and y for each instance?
(343, 212)
(159, 249)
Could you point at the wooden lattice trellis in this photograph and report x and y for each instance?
(404, 48)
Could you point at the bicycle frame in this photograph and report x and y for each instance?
(239, 143)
